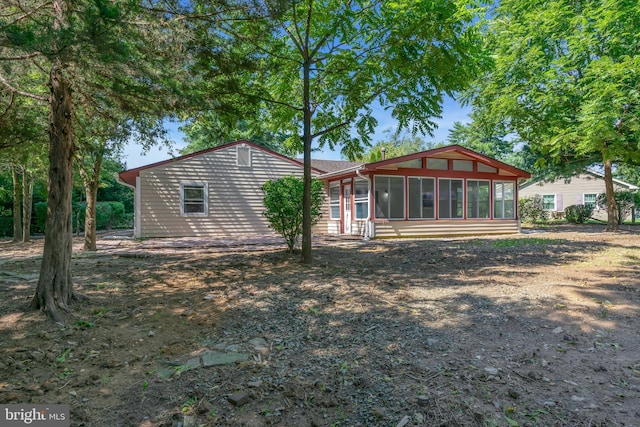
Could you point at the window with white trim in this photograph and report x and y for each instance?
(361, 198)
(334, 200)
(549, 202)
(243, 155)
(389, 197)
(194, 199)
(504, 202)
(422, 198)
(590, 200)
(450, 198)
(478, 200)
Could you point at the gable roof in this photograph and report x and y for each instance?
(449, 152)
(328, 166)
(595, 174)
(128, 177)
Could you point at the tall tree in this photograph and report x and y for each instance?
(567, 80)
(325, 62)
(100, 49)
(395, 146)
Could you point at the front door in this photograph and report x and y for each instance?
(346, 214)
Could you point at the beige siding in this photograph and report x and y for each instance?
(234, 195)
(572, 192)
(388, 229)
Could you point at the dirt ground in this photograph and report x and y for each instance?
(539, 328)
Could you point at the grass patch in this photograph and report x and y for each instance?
(529, 241)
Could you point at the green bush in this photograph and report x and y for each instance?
(532, 209)
(108, 215)
(283, 206)
(625, 201)
(578, 214)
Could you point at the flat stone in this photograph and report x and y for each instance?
(254, 384)
(212, 358)
(191, 364)
(239, 398)
(166, 373)
(557, 330)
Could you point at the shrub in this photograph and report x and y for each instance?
(625, 201)
(578, 214)
(283, 206)
(532, 209)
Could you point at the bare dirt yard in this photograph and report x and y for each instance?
(540, 328)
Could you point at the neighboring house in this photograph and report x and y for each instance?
(582, 189)
(445, 191)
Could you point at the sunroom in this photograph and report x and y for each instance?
(447, 191)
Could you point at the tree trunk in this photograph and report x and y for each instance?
(307, 257)
(17, 205)
(612, 209)
(27, 203)
(91, 184)
(54, 291)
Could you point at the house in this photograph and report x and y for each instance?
(583, 188)
(447, 191)
(216, 192)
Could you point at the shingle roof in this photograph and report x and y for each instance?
(332, 165)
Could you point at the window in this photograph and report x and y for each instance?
(463, 165)
(421, 198)
(361, 198)
(478, 203)
(549, 202)
(243, 156)
(334, 200)
(440, 164)
(193, 199)
(389, 197)
(450, 198)
(591, 200)
(485, 168)
(504, 199)
(411, 164)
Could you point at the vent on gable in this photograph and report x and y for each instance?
(243, 156)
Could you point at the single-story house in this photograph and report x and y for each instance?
(216, 192)
(583, 188)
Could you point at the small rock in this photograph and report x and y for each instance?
(254, 384)
(73, 393)
(211, 358)
(404, 421)
(239, 398)
(209, 297)
(151, 333)
(260, 344)
(431, 342)
(190, 421)
(549, 403)
(423, 400)
(513, 394)
(234, 348)
(577, 398)
(378, 412)
(557, 330)
(37, 355)
(418, 418)
(491, 371)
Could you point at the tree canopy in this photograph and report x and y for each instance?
(325, 62)
(566, 80)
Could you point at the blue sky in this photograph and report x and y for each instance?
(452, 112)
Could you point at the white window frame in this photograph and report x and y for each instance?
(239, 157)
(595, 200)
(464, 207)
(205, 201)
(360, 199)
(467, 199)
(421, 180)
(555, 202)
(500, 198)
(334, 203)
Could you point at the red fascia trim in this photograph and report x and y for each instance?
(129, 176)
(369, 167)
